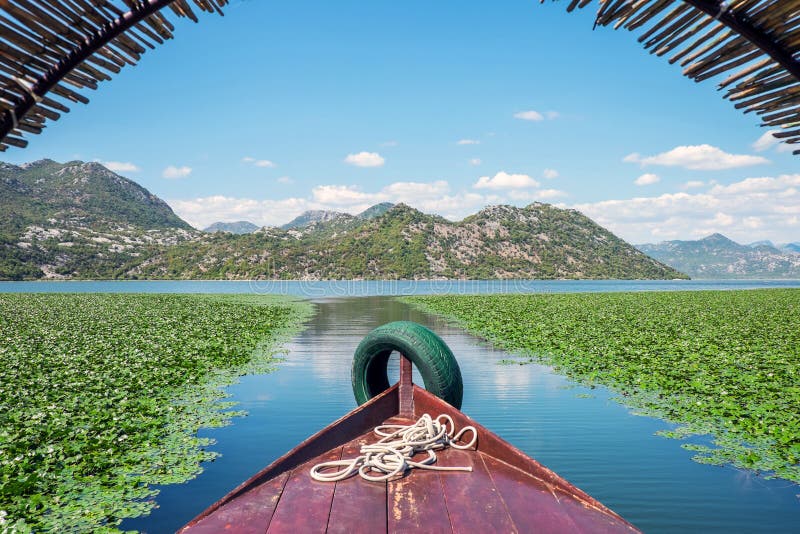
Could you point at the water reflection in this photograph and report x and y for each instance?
(593, 442)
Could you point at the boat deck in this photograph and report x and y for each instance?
(506, 491)
(494, 497)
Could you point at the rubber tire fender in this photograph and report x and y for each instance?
(432, 357)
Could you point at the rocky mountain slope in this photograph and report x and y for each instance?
(311, 217)
(80, 220)
(716, 256)
(326, 220)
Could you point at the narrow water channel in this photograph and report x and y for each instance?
(582, 434)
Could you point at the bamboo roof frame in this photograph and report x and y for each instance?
(754, 44)
(49, 48)
(52, 49)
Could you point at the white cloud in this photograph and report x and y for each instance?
(540, 194)
(758, 185)
(409, 192)
(430, 197)
(120, 166)
(693, 184)
(529, 115)
(722, 219)
(172, 172)
(285, 180)
(339, 195)
(503, 180)
(200, 212)
(550, 174)
(545, 194)
(475, 161)
(468, 142)
(365, 159)
(753, 222)
(698, 158)
(766, 141)
(264, 163)
(746, 211)
(647, 179)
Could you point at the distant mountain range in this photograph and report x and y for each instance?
(237, 227)
(539, 241)
(791, 248)
(80, 220)
(306, 219)
(716, 256)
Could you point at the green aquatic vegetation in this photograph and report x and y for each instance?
(723, 363)
(101, 396)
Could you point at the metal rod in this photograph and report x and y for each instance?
(406, 388)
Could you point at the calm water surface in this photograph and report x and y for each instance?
(593, 442)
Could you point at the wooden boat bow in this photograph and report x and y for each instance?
(507, 491)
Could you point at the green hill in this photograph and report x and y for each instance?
(78, 192)
(78, 219)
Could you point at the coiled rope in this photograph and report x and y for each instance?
(391, 455)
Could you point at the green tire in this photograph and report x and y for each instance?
(432, 357)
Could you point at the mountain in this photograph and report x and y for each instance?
(375, 211)
(78, 219)
(325, 221)
(792, 248)
(310, 217)
(539, 241)
(38, 192)
(238, 227)
(762, 243)
(716, 256)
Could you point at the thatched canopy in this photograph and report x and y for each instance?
(751, 46)
(52, 49)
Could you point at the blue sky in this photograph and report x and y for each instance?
(449, 106)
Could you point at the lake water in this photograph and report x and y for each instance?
(367, 288)
(593, 442)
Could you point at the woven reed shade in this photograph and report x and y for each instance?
(751, 47)
(52, 49)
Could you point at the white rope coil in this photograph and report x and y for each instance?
(391, 455)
